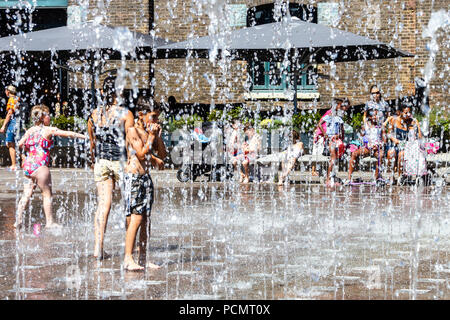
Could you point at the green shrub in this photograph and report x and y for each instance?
(306, 121)
(71, 123)
(355, 121)
(174, 124)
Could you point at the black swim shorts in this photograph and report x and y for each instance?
(138, 194)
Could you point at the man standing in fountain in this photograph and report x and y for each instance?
(107, 126)
(139, 187)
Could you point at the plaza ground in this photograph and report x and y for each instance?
(234, 241)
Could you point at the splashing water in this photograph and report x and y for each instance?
(226, 240)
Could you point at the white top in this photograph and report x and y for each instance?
(334, 124)
(294, 151)
(373, 135)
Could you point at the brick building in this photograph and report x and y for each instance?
(399, 23)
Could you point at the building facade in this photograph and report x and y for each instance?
(261, 84)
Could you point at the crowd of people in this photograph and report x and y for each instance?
(392, 139)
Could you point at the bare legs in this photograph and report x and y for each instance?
(313, 170)
(28, 189)
(245, 166)
(43, 179)
(245, 176)
(12, 153)
(364, 152)
(286, 169)
(401, 157)
(133, 223)
(333, 158)
(355, 155)
(391, 163)
(104, 193)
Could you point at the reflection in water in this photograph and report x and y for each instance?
(229, 241)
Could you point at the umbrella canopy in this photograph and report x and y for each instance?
(315, 43)
(89, 36)
(293, 39)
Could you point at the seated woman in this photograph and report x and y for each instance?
(373, 144)
(37, 141)
(248, 153)
(388, 125)
(403, 128)
(290, 156)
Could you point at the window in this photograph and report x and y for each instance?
(38, 19)
(37, 3)
(265, 13)
(271, 75)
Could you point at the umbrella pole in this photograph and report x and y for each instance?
(295, 89)
(92, 82)
(60, 80)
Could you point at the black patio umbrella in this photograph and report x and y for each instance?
(86, 39)
(300, 42)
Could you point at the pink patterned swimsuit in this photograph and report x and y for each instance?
(38, 152)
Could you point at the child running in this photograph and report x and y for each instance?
(37, 141)
(139, 188)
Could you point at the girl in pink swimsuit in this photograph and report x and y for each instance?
(38, 152)
(38, 141)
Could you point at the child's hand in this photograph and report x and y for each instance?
(154, 129)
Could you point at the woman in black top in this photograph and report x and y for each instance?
(107, 126)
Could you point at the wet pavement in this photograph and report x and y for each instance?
(234, 241)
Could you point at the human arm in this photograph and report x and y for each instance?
(129, 121)
(90, 127)
(24, 138)
(159, 146)
(157, 162)
(419, 132)
(5, 123)
(388, 121)
(320, 126)
(53, 131)
(134, 140)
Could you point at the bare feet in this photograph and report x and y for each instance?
(130, 265)
(13, 168)
(314, 173)
(332, 183)
(152, 265)
(246, 180)
(103, 256)
(18, 224)
(53, 225)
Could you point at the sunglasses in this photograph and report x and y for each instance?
(375, 92)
